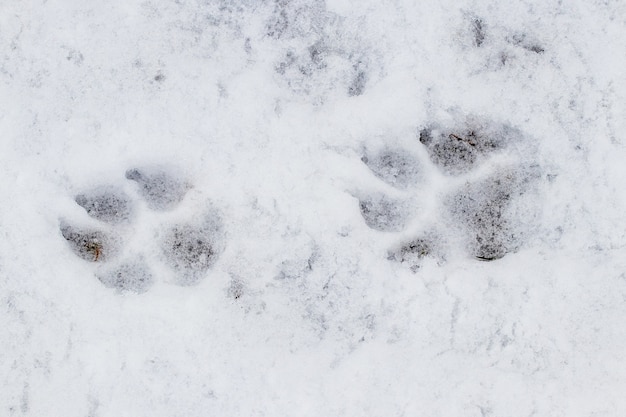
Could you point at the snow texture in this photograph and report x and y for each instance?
(312, 208)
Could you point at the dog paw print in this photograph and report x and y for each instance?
(488, 170)
(125, 250)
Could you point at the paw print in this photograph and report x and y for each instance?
(125, 250)
(486, 201)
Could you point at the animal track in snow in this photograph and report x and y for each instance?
(188, 248)
(489, 212)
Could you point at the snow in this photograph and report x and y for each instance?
(269, 174)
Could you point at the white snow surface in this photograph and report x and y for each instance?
(259, 112)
